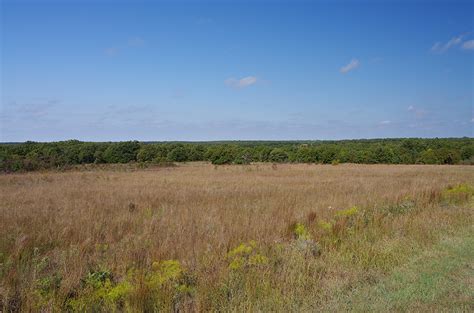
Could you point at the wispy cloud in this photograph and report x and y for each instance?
(440, 47)
(111, 51)
(17, 115)
(386, 122)
(376, 60)
(241, 83)
(136, 42)
(353, 64)
(178, 93)
(418, 112)
(468, 45)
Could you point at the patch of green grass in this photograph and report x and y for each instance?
(438, 279)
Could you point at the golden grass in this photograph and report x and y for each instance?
(120, 221)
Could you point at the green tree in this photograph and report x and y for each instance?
(121, 152)
(147, 153)
(448, 156)
(178, 154)
(221, 154)
(278, 155)
(383, 154)
(428, 157)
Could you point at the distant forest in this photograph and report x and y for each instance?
(31, 156)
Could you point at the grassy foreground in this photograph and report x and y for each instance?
(239, 238)
(439, 279)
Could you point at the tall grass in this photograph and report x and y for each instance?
(200, 238)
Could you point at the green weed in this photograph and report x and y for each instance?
(458, 194)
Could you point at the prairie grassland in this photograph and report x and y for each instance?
(262, 237)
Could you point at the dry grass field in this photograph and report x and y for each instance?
(262, 237)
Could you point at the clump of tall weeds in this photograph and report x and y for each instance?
(458, 194)
(245, 255)
(164, 286)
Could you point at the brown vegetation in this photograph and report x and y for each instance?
(59, 231)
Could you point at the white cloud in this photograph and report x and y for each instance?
(439, 47)
(453, 42)
(411, 108)
(353, 64)
(468, 45)
(472, 120)
(241, 83)
(385, 122)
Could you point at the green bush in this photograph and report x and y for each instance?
(278, 155)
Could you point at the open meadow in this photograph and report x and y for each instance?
(236, 156)
(260, 237)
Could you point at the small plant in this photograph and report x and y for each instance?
(400, 208)
(326, 226)
(343, 224)
(100, 292)
(45, 289)
(164, 271)
(97, 278)
(335, 162)
(245, 255)
(306, 247)
(301, 232)
(304, 242)
(348, 212)
(167, 283)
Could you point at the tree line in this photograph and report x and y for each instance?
(31, 156)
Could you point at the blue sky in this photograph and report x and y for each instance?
(200, 70)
